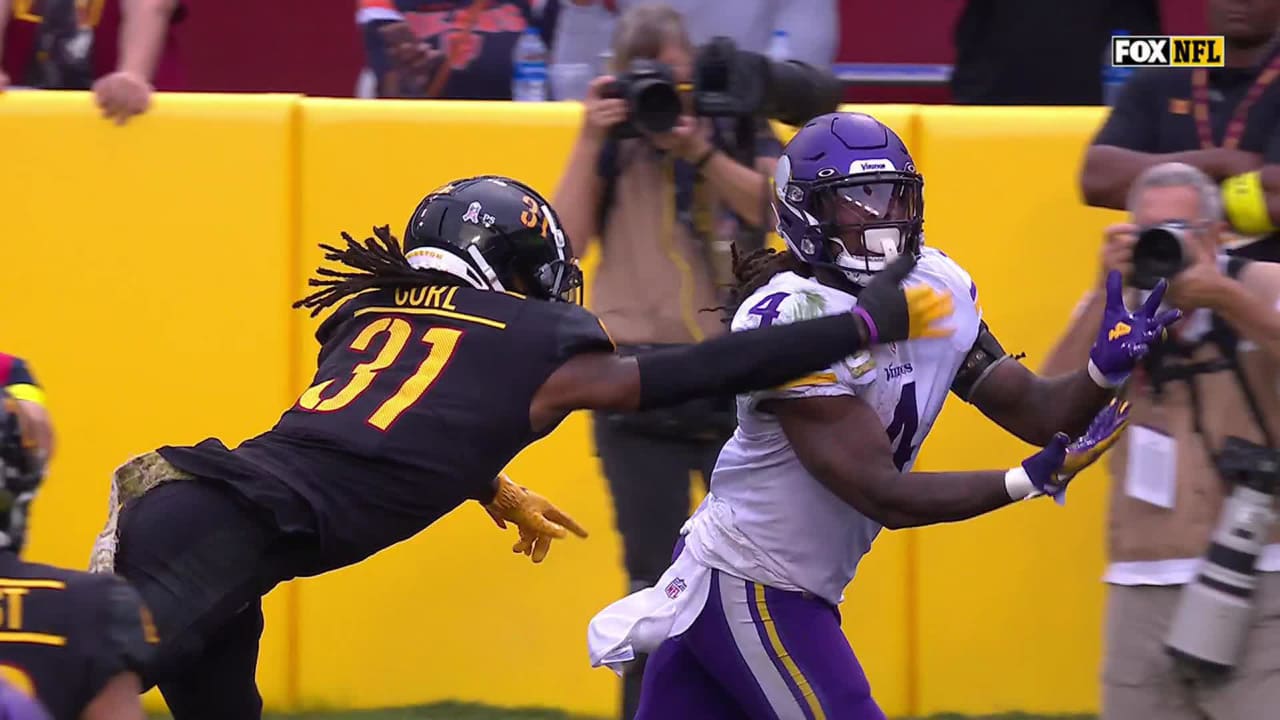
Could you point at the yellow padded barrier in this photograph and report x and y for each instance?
(145, 277)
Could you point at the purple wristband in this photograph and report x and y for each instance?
(873, 335)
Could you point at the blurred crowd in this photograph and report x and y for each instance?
(994, 52)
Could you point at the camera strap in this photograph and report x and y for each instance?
(1225, 339)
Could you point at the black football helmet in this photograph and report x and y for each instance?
(495, 233)
(21, 471)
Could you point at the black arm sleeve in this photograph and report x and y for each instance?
(1134, 121)
(128, 635)
(746, 361)
(985, 354)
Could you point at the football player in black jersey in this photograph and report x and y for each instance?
(445, 360)
(73, 640)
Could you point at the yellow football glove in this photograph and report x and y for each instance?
(927, 308)
(539, 521)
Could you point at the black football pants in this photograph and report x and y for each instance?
(649, 480)
(202, 559)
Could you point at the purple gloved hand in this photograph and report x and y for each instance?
(1126, 337)
(1052, 469)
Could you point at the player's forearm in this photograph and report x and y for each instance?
(117, 700)
(918, 499)
(143, 28)
(747, 361)
(1067, 403)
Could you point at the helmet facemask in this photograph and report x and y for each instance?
(867, 220)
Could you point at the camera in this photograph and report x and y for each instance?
(1209, 627)
(727, 82)
(653, 103)
(1161, 252)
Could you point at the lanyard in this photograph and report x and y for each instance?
(1235, 127)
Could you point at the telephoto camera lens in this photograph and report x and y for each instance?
(1215, 611)
(1160, 253)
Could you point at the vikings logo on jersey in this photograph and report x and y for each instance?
(847, 195)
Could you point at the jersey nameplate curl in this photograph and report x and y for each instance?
(439, 297)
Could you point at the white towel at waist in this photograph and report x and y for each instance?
(638, 623)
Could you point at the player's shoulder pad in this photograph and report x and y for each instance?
(944, 273)
(936, 264)
(129, 631)
(577, 330)
(786, 298)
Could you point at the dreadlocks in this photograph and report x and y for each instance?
(755, 269)
(379, 262)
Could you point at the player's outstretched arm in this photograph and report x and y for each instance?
(744, 361)
(118, 700)
(1034, 408)
(841, 442)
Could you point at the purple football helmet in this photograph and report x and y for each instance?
(847, 195)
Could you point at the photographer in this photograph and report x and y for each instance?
(666, 208)
(1219, 380)
(1224, 121)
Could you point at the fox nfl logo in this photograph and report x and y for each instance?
(1167, 51)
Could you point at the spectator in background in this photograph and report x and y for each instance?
(1224, 121)
(1166, 496)
(665, 209)
(454, 49)
(66, 45)
(812, 26)
(1041, 52)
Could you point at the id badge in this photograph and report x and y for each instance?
(1151, 474)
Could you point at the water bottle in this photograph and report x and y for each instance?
(779, 46)
(1113, 78)
(529, 61)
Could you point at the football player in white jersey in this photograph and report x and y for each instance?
(744, 623)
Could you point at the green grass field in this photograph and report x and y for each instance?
(461, 711)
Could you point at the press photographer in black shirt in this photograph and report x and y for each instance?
(1224, 121)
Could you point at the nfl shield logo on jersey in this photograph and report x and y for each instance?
(675, 587)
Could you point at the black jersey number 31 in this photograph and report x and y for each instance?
(443, 342)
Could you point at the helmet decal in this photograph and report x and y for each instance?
(495, 233)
